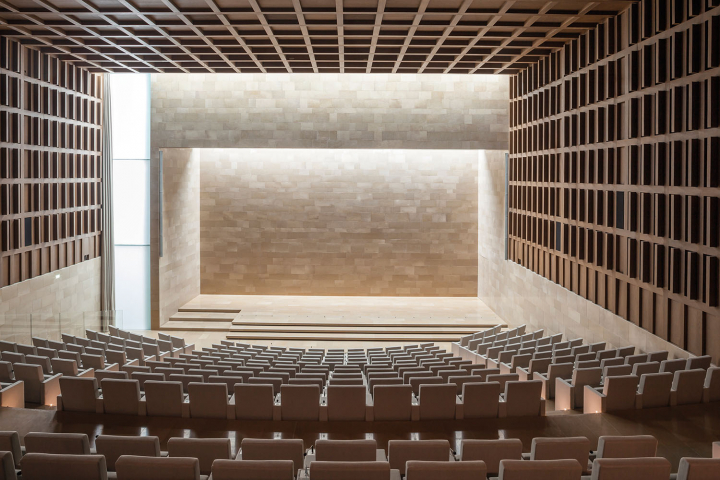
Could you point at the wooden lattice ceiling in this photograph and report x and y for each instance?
(279, 36)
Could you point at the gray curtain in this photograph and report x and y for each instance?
(107, 281)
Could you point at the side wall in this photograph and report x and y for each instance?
(56, 301)
(180, 264)
(50, 189)
(338, 222)
(321, 111)
(518, 295)
(615, 178)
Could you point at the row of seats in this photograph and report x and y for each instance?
(69, 456)
(229, 381)
(610, 379)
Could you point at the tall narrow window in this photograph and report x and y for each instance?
(131, 196)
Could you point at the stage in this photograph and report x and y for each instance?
(325, 321)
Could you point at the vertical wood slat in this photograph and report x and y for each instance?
(637, 144)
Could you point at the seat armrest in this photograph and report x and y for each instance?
(89, 373)
(51, 389)
(505, 368)
(523, 374)
(564, 395)
(594, 401)
(543, 379)
(113, 367)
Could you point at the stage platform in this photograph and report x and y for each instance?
(333, 319)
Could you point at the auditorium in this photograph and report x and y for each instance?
(360, 239)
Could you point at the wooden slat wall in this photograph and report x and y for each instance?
(615, 169)
(50, 163)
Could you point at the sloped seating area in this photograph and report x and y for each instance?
(252, 382)
(510, 373)
(592, 377)
(65, 456)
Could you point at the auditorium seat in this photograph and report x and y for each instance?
(569, 395)
(648, 468)
(350, 470)
(300, 402)
(401, 451)
(276, 383)
(540, 470)
(209, 400)
(39, 388)
(417, 382)
(165, 399)
(69, 368)
(103, 374)
(292, 449)
(491, 452)
(658, 356)
(392, 402)
(618, 393)
(626, 446)
(554, 371)
(114, 446)
(10, 442)
(633, 359)
(7, 466)
(143, 377)
(522, 399)
(97, 362)
(346, 451)
(254, 402)
(536, 365)
(698, 469)
(131, 467)
(206, 450)
(562, 448)
(698, 362)
(481, 400)
(711, 390)
(502, 379)
(80, 394)
(640, 369)
(687, 387)
(253, 470)
(437, 402)
(43, 362)
(616, 371)
(461, 380)
(42, 466)
(673, 366)
(346, 403)
(424, 470)
(654, 390)
(57, 443)
(185, 380)
(122, 397)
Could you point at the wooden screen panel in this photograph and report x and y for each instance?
(50, 174)
(615, 151)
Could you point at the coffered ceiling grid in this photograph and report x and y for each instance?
(285, 36)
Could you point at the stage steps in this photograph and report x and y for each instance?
(329, 319)
(197, 316)
(377, 337)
